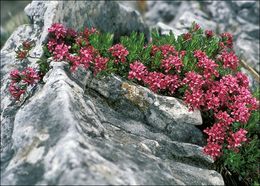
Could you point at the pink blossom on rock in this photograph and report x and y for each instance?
(74, 62)
(58, 30)
(87, 56)
(216, 133)
(15, 75)
(228, 39)
(209, 33)
(138, 71)
(100, 64)
(172, 62)
(213, 149)
(60, 52)
(156, 81)
(119, 52)
(16, 91)
(51, 44)
(229, 59)
(237, 138)
(30, 76)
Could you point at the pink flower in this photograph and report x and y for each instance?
(71, 32)
(100, 64)
(15, 75)
(30, 76)
(119, 52)
(230, 83)
(154, 50)
(208, 65)
(74, 62)
(199, 54)
(170, 62)
(89, 31)
(212, 101)
(87, 56)
(224, 117)
(227, 39)
(61, 51)
(242, 80)
(156, 81)
(240, 112)
(229, 59)
(237, 138)
(216, 133)
(182, 53)
(187, 36)
(138, 71)
(172, 82)
(209, 33)
(16, 91)
(194, 80)
(213, 149)
(221, 45)
(80, 41)
(195, 98)
(27, 45)
(168, 50)
(22, 54)
(196, 27)
(52, 43)
(58, 30)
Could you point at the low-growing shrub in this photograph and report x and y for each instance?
(199, 67)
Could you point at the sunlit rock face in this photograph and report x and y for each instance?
(76, 129)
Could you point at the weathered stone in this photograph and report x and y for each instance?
(164, 113)
(106, 16)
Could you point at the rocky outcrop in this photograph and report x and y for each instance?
(79, 130)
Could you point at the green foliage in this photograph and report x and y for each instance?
(134, 44)
(101, 42)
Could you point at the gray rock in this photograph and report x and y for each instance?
(163, 113)
(165, 29)
(161, 11)
(106, 16)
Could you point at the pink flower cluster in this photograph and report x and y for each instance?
(236, 139)
(172, 62)
(21, 80)
(60, 52)
(227, 39)
(119, 52)
(209, 33)
(233, 95)
(138, 71)
(24, 49)
(229, 59)
(58, 30)
(100, 64)
(155, 80)
(165, 50)
(207, 65)
(86, 56)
